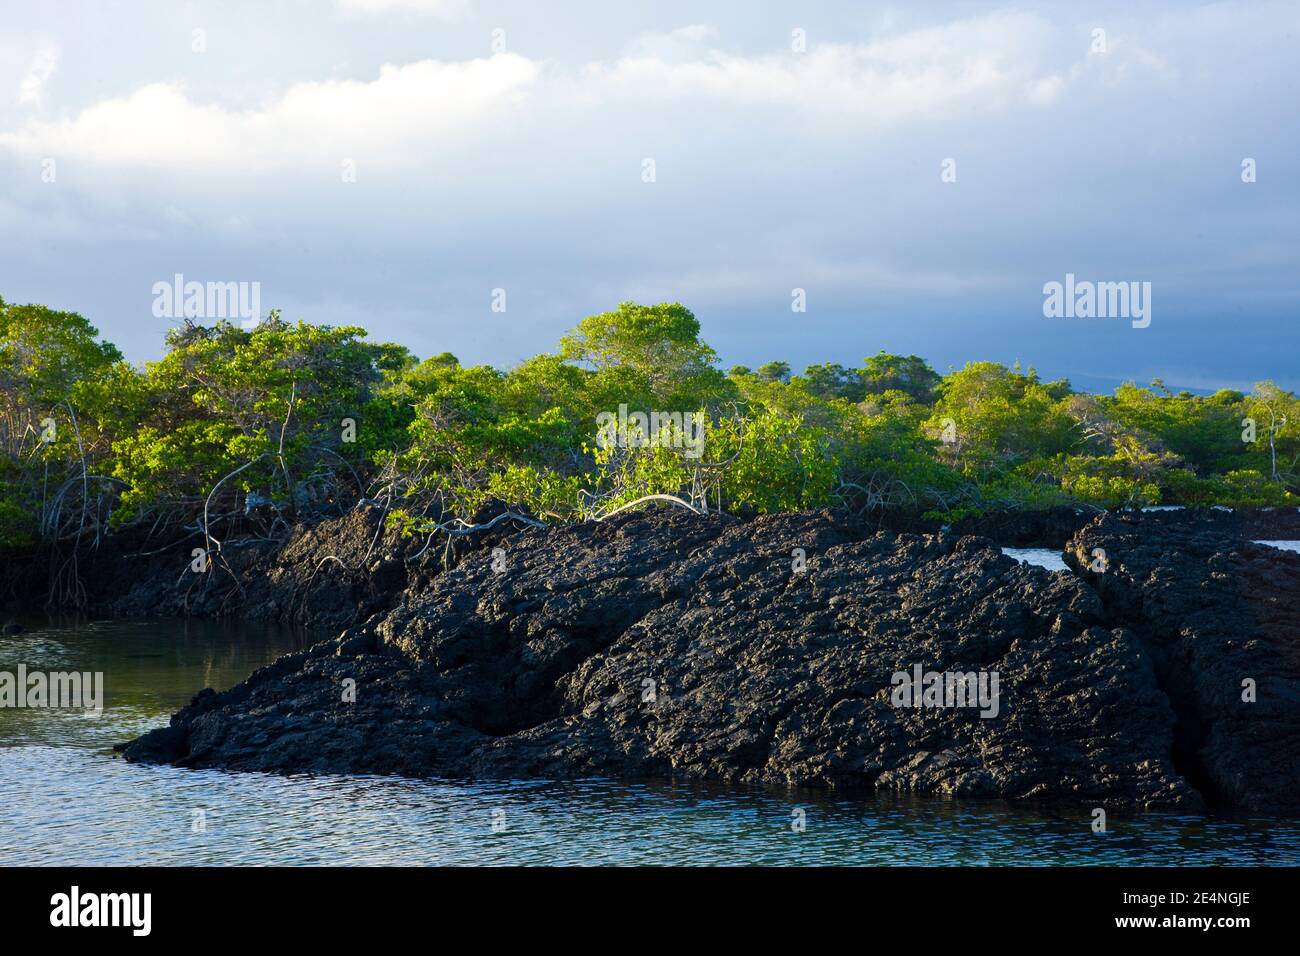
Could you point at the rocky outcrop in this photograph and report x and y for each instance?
(335, 572)
(330, 574)
(1219, 618)
(664, 644)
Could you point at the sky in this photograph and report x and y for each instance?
(919, 170)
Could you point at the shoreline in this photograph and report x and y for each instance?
(121, 582)
(1120, 685)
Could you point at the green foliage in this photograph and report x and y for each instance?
(657, 346)
(277, 395)
(17, 523)
(1204, 430)
(831, 381)
(774, 371)
(48, 429)
(17, 529)
(777, 462)
(260, 417)
(541, 491)
(1001, 418)
(881, 373)
(909, 374)
(44, 353)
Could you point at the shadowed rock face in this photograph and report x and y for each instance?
(330, 575)
(665, 644)
(1211, 611)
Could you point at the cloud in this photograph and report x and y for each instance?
(445, 9)
(158, 124)
(977, 65)
(32, 88)
(983, 63)
(776, 169)
(676, 45)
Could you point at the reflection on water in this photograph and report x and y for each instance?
(151, 669)
(68, 800)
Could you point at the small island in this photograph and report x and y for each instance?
(618, 560)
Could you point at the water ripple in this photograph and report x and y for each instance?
(68, 800)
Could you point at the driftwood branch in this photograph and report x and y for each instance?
(672, 499)
(207, 537)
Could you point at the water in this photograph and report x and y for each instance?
(1042, 557)
(1282, 544)
(1179, 508)
(1050, 559)
(68, 800)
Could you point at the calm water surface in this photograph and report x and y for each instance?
(68, 800)
(1043, 557)
(1051, 559)
(1283, 545)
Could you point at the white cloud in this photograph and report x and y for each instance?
(982, 63)
(434, 8)
(32, 88)
(682, 43)
(159, 124)
(776, 169)
(968, 67)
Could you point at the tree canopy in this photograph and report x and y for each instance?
(255, 427)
